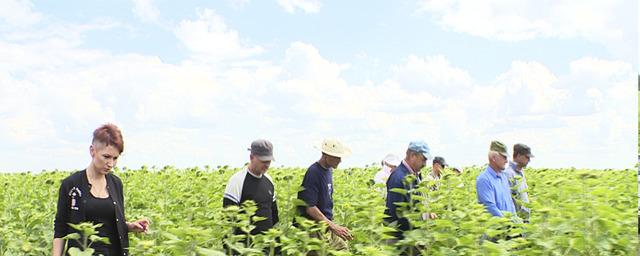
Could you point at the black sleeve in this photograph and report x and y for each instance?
(274, 212)
(60, 226)
(226, 202)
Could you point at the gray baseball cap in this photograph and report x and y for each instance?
(262, 149)
(440, 160)
(522, 149)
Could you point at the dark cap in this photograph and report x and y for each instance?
(262, 149)
(499, 147)
(522, 149)
(440, 160)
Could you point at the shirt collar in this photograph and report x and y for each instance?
(250, 173)
(326, 169)
(514, 167)
(409, 167)
(493, 172)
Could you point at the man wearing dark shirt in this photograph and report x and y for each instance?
(416, 158)
(318, 192)
(253, 183)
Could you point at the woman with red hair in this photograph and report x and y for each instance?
(95, 195)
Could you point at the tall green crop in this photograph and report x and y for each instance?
(573, 212)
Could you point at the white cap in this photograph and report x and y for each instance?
(391, 159)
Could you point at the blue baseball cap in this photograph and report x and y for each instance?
(420, 147)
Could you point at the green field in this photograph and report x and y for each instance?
(574, 212)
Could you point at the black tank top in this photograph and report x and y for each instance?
(102, 210)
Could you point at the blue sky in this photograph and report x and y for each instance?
(194, 82)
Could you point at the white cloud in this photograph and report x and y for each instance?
(189, 105)
(52, 89)
(209, 39)
(21, 120)
(58, 34)
(206, 109)
(608, 89)
(611, 23)
(184, 147)
(308, 6)
(434, 74)
(591, 79)
(587, 111)
(238, 4)
(19, 13)
(521, 20)
(303, 60)
(429, 98)
(146, 10)
(599, 69)
(530, 86)
(321, 90)
(584, 110)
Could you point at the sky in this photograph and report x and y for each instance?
(192, 83)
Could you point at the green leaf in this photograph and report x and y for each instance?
(95, 238)
(77, 252)
(72, 236)
(399, 191)
(209, 252)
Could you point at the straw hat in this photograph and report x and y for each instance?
(335, 148)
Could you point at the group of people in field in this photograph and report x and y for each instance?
(95, 193)
(501, 187)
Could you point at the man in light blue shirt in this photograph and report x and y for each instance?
(515, 172)
(492, 185)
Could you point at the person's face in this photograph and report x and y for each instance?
(437, 167)
(419, 161)
(103, 158)
(333, 161)
(500, 161)
(522, 160)
(258, 166)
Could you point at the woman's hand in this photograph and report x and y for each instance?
(141, 225)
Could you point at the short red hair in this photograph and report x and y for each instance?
(110, 135)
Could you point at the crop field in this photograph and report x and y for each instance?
(574, 212)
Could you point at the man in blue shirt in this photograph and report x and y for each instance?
(492, 185)
(415, 159)
(318, 192)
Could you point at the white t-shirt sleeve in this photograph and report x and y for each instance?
(233, 191)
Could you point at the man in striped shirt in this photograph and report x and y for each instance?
(517, 180)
